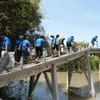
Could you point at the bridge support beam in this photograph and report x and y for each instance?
(92, 90)
(53, 86)
(54, 82)
(68, 77)
(32, 85)
(48, 82)
(70, 69)
(79, 63)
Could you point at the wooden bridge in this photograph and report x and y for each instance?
(49, 65)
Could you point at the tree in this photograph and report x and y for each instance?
(82, 44)
(18, 16)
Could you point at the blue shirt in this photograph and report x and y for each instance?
(25, 44)
(17, 43)
(6, 41)
(93, 39)
(39, 42)
(70, 39)
(53, 41)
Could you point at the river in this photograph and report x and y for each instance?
(78, 80)
(42, 93)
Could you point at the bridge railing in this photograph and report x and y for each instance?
(2, 60)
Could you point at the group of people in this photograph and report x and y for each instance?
(23, 47)
(57, 44)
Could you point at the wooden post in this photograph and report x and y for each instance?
(68, 77)
(85, 72)
(67, 82)
(21, 62)
(44, 55)
(59, 53)
(99, 70)
(32, 85)
(54, 82)
(99, 74)
(90, 77)
(70, 50)
(48, 82)
(31, 82)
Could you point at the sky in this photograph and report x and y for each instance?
(80, 18)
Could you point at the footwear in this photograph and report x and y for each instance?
(53, 56)
(6, 68)
(56, 55)
(17, 63)
(36, 62)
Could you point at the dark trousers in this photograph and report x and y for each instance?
(25, 55)
(39, 51)
(18, 55)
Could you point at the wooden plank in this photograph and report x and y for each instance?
(21, 74)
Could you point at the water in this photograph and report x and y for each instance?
(78, 80)
(42, 92)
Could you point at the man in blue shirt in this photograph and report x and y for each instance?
(25, 47)
(69, 43)
(39, 44)
(53, 45)
(18, 52)
(6, 46)
(93, 40)
(57, 46)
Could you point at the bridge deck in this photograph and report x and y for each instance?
(28, 70)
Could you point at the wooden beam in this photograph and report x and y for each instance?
(54, 83)
(31, 82)
(48, 82)
(90, 77)
(33, 85)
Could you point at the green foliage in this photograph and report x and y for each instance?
(94, 62)
(18, 16)
(81, 44)
(62, 67)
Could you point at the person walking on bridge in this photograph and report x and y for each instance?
(6, 46)
(57, 46)
(93, 40)
(39, 44)
(61, 44)
(18, 52)
(70, 43)
(25, 46)
(53, 45)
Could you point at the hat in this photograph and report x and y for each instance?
(72, 36)
(42, 36)
(57, 35)
(51, 35)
